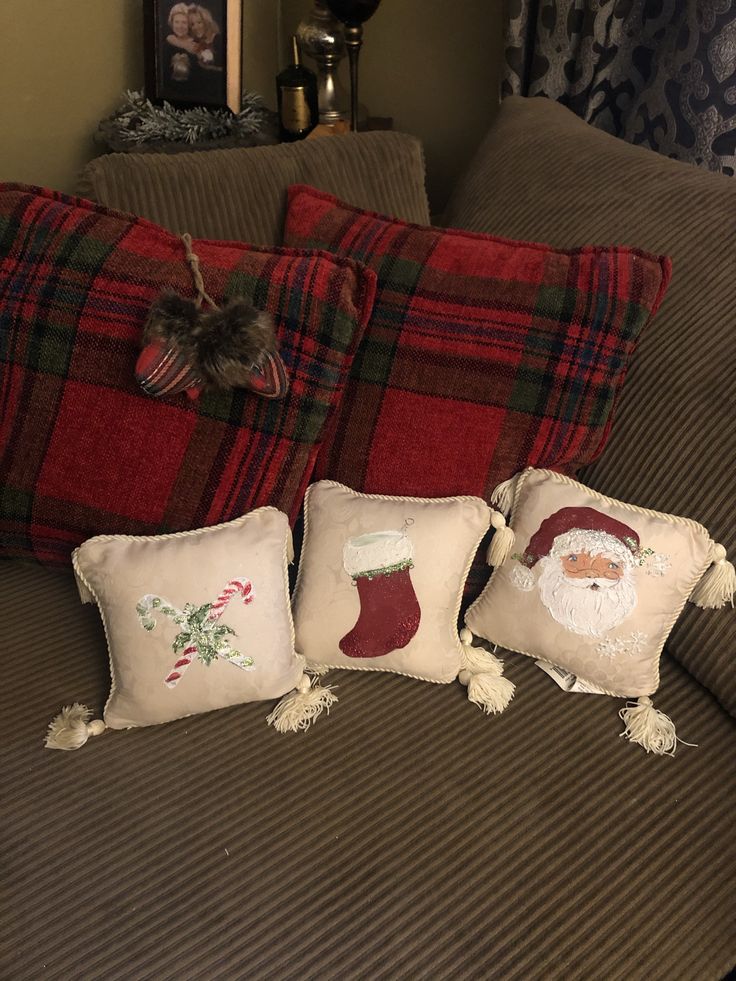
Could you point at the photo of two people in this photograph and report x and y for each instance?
(191, 59)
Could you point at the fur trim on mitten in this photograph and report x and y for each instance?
(232, 341)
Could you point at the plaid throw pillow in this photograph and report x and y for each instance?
(83, 450)
(483, 356)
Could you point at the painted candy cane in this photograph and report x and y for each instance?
(146, 605)
(150, 603)
(235, 586)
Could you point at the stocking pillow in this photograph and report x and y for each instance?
(380, 584)
(194, 621)
(594, 586)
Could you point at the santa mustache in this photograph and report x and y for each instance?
(585, 581)
(577, 607)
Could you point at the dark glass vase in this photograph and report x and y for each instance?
(353, 11)
(353, 14)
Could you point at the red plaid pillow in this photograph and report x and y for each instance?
(83, 450)
(483, 356)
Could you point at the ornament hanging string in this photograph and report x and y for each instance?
(193, 260)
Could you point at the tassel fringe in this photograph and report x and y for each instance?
(502, 541)
(299, 709)
(72, 728)
(482, 674)
(317, 670)
(717, 586)
(649, 727)
(503, 495)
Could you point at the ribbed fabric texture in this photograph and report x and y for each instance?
(544, 174)
(241, 194)
(405, 836)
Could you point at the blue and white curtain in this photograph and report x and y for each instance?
(661, 73)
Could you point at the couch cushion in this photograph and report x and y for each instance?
(381, 580)
(544, 173)
(482, 355)
(194, 621)
(241, 194)
(591, 585)
(406, 836)
(83, 450)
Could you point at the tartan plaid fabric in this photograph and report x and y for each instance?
(83, 450)
(483, 356)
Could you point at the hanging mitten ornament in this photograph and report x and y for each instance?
(188, 349)
(379, 565)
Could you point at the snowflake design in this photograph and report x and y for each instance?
(614, 647)
(658, 564)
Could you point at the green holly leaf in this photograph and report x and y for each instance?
(156, 601)
(181, 640)
(169, 611)
(149, 624)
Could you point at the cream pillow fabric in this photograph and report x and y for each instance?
(381, 580)
(194, 621)
(593, 585)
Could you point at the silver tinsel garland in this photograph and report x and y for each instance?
(138, 122)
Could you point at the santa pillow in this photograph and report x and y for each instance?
(594, 586)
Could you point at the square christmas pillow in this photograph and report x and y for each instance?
(594, 586)
(380, 583)
(194, 621)
(84, 450)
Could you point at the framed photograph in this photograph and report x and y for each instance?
(193, 52)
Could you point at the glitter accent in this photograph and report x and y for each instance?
(385, 571)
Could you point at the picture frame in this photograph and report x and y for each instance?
(193, 53)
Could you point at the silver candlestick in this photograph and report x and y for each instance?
(322, 38)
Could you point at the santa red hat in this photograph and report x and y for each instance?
(566, 520)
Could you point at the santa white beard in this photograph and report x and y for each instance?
(578, 607)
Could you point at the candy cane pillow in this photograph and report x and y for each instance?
(194, 621)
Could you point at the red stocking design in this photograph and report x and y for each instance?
(389, 610)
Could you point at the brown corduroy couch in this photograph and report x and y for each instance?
(407, 835)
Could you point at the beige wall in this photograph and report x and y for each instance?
(431, 64)
(63, 66)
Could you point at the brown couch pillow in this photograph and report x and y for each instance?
(544, 174)
(241, 194)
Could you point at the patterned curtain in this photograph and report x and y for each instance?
(661, 73)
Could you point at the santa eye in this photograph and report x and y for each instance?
(613, 565)
(572, 558)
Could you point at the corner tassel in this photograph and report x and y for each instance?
(301, 707)
(482, 674)
(649, 727)
(503, 495)
(718, 583)
(290, 548)
(502, 541)
(71, 728)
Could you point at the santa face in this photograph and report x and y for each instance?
(587, 592)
